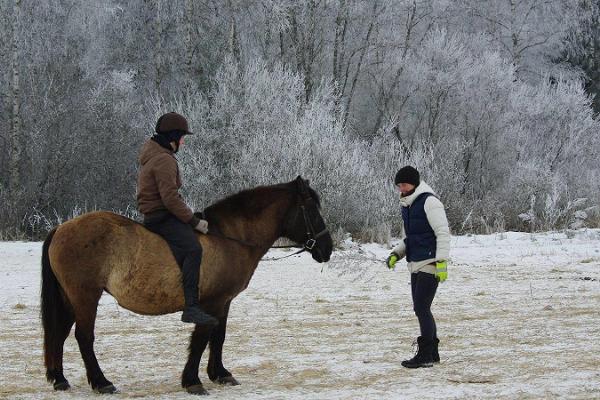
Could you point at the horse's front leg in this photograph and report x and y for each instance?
(216, 371)
(189, 378)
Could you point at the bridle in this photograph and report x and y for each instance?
(311, 236)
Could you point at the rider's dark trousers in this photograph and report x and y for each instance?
(424, 286)
(185, 247)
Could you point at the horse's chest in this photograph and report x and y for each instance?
(228, 281)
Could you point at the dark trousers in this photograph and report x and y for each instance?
(423, 287)
(185, 247)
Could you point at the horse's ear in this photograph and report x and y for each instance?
(301, 180)
(300, 184)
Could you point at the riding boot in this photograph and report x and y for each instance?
(190, 274)
(423, 358)
(435, 355)
(194, 314)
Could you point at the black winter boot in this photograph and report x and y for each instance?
(194, 314)
(191, 293)
(423, 357)
(435, 355)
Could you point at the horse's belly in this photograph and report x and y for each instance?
(152, 287)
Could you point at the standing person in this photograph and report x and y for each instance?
(426, 245)
(165, 212)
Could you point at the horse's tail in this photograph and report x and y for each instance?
(57, 316)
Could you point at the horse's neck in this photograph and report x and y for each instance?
(261, 230)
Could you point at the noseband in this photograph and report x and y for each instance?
(311, 236)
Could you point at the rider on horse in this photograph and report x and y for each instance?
(165, 212)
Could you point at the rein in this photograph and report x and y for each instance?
(243, 242)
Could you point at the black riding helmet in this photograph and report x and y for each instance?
(170, 127)
(170, 122)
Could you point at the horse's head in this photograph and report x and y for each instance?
(304, 223)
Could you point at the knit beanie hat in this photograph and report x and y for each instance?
(407, 174)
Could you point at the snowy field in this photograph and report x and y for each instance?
(519, 318)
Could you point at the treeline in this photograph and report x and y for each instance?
(493, 101)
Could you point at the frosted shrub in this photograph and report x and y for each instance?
(491, 141)
(453, 118)
(39, 223)
(257, 130)
(485, 141)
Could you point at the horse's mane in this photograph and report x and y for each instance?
(250, 202)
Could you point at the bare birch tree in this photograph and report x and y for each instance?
(16, 132)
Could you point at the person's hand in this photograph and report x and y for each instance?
(441, 271)
(391, 260)
(202, 226)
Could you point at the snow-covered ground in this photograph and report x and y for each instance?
(518, 318)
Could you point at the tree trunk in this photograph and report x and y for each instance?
(412, 22)
(341, 21)
(514, 37)
(364, 49)
(189, 34)
(15, 136)
(158, 57)
(234, 42)
(304, 44)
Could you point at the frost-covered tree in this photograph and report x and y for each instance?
(482, 131)
(343, 91)
(581, 47)
(258, 130)
(15, 130)
(527, 32)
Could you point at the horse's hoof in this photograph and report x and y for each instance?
(197, 389)
(107, 389)
(227, 380)
(64, 385)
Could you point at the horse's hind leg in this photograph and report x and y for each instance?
(85, 307)
(216, 371)
(189, 379)
(55, 373)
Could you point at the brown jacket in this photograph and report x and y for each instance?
(159, 182)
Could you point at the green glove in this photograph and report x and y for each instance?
(441, 271)
(391, 260)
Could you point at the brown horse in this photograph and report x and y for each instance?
(102, 251)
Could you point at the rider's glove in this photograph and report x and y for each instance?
(202, 226)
